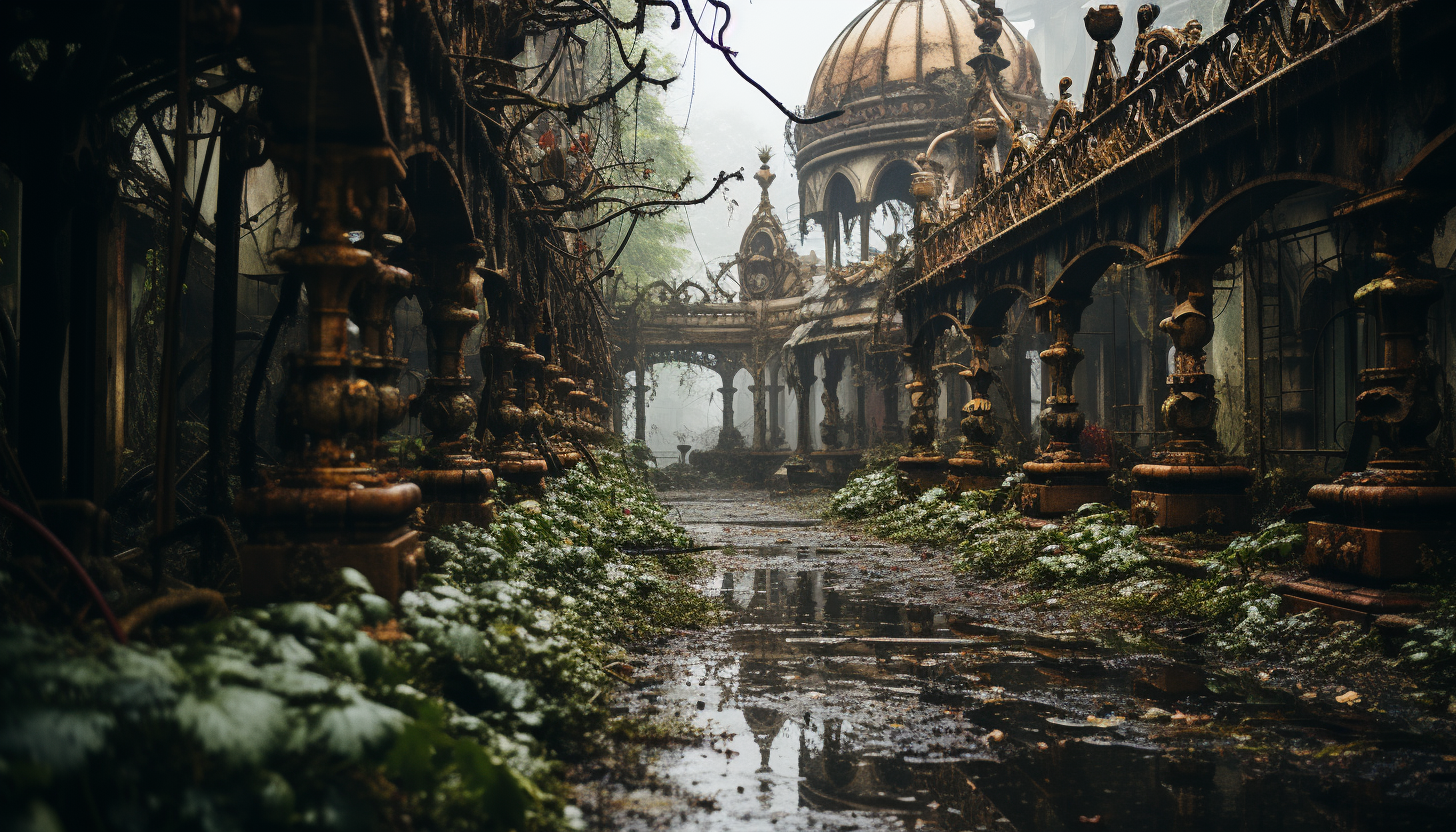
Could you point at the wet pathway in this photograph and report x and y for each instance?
(860, 687)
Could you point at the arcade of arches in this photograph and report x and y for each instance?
(1157, 292)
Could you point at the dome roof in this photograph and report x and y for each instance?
(896, 45)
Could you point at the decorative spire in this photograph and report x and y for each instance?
(765, 176)
(989, 28)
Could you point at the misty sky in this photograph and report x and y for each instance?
(780, 43)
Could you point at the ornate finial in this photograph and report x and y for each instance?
(1104, 22)
(764, 176)
(1065, 86)
(1147, 15)
(989, 27)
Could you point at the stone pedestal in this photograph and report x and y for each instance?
(457, 492)
(313, 530)
(1189, 484)
(1182, 497)
(1056, 488)
(1380, 523)
(1060, 481)
(922, 473)
(801, 472)
(835, 466)
(1386, 526)
(1346, 602)
(970, 474)
(323, 510)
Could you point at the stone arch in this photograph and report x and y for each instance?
(436, 199)
(990, 311)
(891, 181)
(932, 328)
(1083, 271)
(1216, 230)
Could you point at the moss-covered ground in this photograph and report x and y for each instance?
(1097, 569)
(459, 709)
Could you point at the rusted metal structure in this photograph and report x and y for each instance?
(725, 326)
(1285, 124)
(387, 132)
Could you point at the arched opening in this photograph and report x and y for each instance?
(840, 210)
(891, 209)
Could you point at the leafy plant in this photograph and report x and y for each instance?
(452, 711)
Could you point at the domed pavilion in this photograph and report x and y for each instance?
(901, 73)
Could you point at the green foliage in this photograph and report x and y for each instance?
(879, 499)
(1432, 645)
(932, 519)
(1275, 544)
(451, 712)
(868, 495)
(646, 136)
(1096, 545)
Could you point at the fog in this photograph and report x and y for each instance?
(780, 43)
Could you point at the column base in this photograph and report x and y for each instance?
(1381, 521)
(303, 570)
(1187, 512)
(521, 468)
(1346, 602)
(301, 535)
(801, 473)
(923, 472)
(973, 473)
(1386, 555)
(1059, 488)
(1187, 497)
(763, 464)
(460, 493)
(835, 466)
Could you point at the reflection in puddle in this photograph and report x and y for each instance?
(828, 709)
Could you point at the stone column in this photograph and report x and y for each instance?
(1382, 517)
(373, 307)
(864, 231)
(456, 483)
(830, 426)
(511, 451)
(322, 509)
(729, 438)
(775, 414)
(798, 467)
(976, 465)
(923, 467)
(639, 401)
(760, 410)
(803, 383)
(861, 422)
(1189, 484)
(1060, 480)
(892, 429)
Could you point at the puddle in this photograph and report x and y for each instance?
(827, 708)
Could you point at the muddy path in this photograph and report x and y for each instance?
(861, 685)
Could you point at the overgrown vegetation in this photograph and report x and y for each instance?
(454, 711)
(1097, 565)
